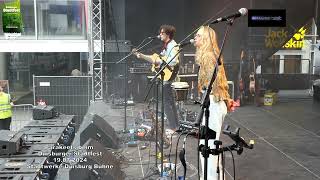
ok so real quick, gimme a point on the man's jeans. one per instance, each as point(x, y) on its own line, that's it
point(170, 108)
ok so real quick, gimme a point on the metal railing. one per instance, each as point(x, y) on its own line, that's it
point(21, 116)
point(70, 95)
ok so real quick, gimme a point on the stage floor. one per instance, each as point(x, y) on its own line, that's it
point(286, 135)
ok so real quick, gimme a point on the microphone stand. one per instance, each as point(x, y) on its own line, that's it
point(125, 90)
point(205, 103)
point(239, 144)
point(132, 52)
point(126, 82)
point(157, 112)
point(164, 64)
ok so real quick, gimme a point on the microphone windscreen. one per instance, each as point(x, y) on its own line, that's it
point(243, 11)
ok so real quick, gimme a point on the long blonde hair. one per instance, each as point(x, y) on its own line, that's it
point(209, 44)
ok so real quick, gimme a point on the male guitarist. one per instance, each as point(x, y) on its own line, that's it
point(169, 52)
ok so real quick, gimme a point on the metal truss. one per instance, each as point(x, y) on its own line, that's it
point(95, 47)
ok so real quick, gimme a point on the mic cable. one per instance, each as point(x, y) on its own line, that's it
point(171, 145)
point(176, 156)
point(182, 154)
point(233, 163)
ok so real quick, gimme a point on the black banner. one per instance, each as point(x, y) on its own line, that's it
point(267, 18)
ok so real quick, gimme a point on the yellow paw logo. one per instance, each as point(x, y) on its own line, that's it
point(300, 34)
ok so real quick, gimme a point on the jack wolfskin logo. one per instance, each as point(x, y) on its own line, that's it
point(297, 40)
point(275, 39)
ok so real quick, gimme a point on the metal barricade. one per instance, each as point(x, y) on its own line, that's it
point(21, 116)
point(70, 95)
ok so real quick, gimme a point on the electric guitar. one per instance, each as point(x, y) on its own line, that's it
point(170, 73)
point(252, 84)
point(241, 84)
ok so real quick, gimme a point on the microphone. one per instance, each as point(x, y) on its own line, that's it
point(241, 12)
point(128, 43)
point(191, 41)
point(154, 37)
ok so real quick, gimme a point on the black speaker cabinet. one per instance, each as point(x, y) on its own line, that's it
point(93, 161)
point(44, 112)
point(11, 142)
point(97, 128)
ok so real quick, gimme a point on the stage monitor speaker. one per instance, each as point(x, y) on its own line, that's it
point(97, 128)
point(41, 112)
point(94, 162)
point(11, 142)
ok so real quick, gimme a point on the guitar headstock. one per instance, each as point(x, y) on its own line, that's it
point(242, 55)
point(135, 52)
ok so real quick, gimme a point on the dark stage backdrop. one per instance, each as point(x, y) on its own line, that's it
point(143, 18)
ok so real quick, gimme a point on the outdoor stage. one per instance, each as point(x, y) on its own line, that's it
point(286, 139)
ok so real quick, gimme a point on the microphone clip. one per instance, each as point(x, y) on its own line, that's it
point(240, 142)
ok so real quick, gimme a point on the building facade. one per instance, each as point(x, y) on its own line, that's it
point(52, 42)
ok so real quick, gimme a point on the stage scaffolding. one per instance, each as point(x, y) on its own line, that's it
point(95, 47)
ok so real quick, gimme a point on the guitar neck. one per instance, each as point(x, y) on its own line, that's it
point(150, 58)
point(145, 58)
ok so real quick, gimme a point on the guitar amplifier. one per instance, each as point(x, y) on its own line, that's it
point(139, 67)
point(11, 142)
point(44, 112)
point(140, 70)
